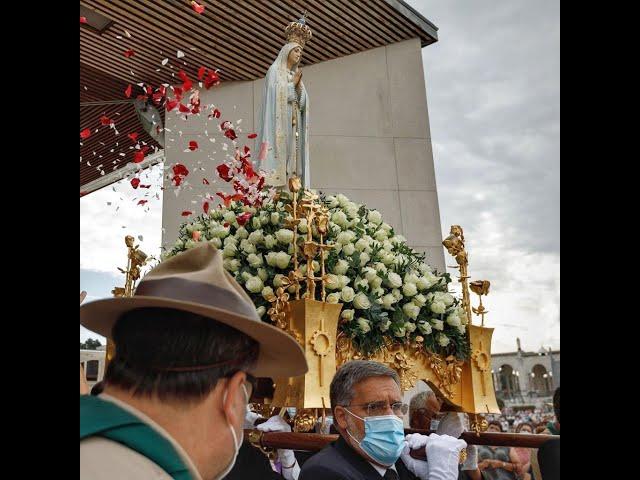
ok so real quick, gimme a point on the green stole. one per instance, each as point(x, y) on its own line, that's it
point(106, 419)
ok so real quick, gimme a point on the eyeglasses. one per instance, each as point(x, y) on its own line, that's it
point(375, 409)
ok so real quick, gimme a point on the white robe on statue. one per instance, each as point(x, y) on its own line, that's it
point(276, 141)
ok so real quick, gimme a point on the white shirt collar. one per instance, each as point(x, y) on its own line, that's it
point(382, 470)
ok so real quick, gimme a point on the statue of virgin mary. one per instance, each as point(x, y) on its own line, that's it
point(283, 133)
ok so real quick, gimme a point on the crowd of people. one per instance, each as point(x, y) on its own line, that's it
point(173, 401)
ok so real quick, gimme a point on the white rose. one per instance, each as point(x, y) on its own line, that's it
point(397, 295)
point(344, 238)
point(189, 244)
point(443, 340)
point(419, 300)
point(267, 292)
point(399, 331)
point(380, 235)
point(256, 223)
point(424, 327)
point(316, 266)
point(361, 245)
point(349, 249)
point(275, 218)
point(272, 259)
point(341, 267)
point(438, 307)
point(361, 283)
point(376, 282)
point(333, 282)
point(262, 274)
point(254, 285)
point(361, 302)
point(398, 239)
point(277, 280)
point(411, 310)
point(375, 217)
point(410, 327)
point(255, 260)
point(387, 301)
point(411, 277)
point(242, 233)
point(302, 226)
point(364, 258)
point(437, 324)
point(387, 246)
point(269, 241)
point(448, 299)
point(337, 247)
point(339, 218)
point(388, 259)
point(381, 267)
point(393, 280)
point(231, 264)
point(246, 276)
point(284, 236)
point(364, 325)
point(344, 281)
point(384, 326)
point(409, 289)
point(261, 311)
point(342, 200)
point(369, 273)
point(351, 210)
point(216, 242)
point(332, 201)
point(179, 244)
point(248, 247)
point(229, 217)
point(453, 320)
point(348, 294)
point(462, 329)
point(230, 241)
point(347, 315)
point(462, 315)
point(229, 251)
point(256, 237)
point(423, 283)
point(282, 260)
point(377, 292)
point(194, 226)
point(386, 227)
point(333, 297)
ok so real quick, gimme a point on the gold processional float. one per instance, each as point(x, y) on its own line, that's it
point(465, 386)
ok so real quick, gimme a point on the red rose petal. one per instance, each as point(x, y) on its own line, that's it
point(83, 19)
point(197, 7)
point(183, 108)
point(216, 113)
point(135, 182)
point(205, 181)
point(139, 155)
point(211, 79)
point(181, 170)
point(230, 134)
point(129, 53)
point(104, 120)
point(252, 135)
point(142, 202)
point(193, 145)
point(186, 213)
point(205, 207)
point(223, 172)
point(244, 218)
point(201, 72)
point(127, 92)
point(133, 136)
point(145, 186)
point(86, 133)
point(171, 104)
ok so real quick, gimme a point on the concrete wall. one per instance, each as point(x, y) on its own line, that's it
point(369, 134)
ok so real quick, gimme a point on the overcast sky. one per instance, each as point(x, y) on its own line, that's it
point(493, 89)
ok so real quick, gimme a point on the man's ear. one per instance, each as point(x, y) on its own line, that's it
point(340, 417)
point(234, 403)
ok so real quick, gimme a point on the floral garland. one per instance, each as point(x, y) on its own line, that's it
point(388, 290)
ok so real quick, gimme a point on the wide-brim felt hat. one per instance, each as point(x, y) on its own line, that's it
point(195, 281)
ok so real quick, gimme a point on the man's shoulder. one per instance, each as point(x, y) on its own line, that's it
point(101, 458)
point(326, 463)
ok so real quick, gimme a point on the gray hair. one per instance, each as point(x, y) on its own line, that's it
point(419, 400)
point(352, 373)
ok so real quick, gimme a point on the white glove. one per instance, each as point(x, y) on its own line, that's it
point(250, 420)
point(286, 457)
point(420, 468)
point(452, 424)
point(443, 456)
point(471, 463)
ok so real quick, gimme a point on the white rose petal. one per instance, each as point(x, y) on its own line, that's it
point(284, 236)
point(437, 324)
point(443, 340)
point(438, 307)
point(364, 325)
point(254, 285)
point(361, 302)
point(348, 294)
point(349, 249)
point(282, 260)
point(255, 260)
point(411, 310)
point(333, 297)
point(341, 267)
point(374, 217)
point(347, 314)
point(409, 289)
point(267, 292)
point(261, 311)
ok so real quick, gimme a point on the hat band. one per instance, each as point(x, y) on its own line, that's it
point(197, 292)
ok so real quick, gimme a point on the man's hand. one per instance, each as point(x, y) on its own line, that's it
point(297, 76)
point(419, 468)
point(443, 456)
point(287, 458)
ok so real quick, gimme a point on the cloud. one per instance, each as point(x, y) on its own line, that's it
point(493, 93)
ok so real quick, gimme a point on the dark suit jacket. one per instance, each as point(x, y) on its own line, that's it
point(338, 461)
point(549, 459)
point(252, 464)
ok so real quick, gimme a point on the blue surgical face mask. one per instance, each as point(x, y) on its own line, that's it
point(383, 438)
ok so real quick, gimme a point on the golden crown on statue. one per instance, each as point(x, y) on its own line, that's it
point(298, 31)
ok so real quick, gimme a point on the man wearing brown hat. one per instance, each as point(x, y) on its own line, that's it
point(188, 345)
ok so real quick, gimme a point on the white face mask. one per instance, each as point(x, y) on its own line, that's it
point(236, 444)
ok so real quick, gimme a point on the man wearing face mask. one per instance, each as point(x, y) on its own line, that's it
point(188, 345)
point(367, 407)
